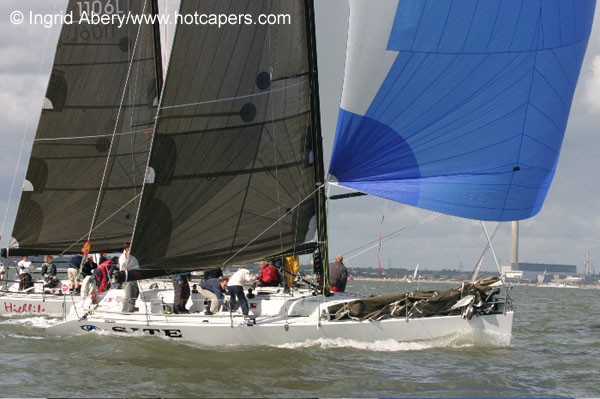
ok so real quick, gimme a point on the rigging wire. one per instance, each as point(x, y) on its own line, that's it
point(381, 238)
point(109, 217)
point(373, 244)
point(480, 261)
point(112, 141)
point(309, 196)
point(491, 248)
point(26, 128)
point(248, 96)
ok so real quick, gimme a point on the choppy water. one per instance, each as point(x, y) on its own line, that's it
point(555, 353)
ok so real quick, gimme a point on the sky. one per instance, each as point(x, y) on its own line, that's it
point(567, 228)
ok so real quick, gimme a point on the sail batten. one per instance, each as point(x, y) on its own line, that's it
point(459, 107)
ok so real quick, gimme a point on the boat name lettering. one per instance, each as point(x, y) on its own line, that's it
point(24, 308)
point(171, 333)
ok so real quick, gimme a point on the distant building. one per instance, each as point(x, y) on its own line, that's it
point(512, 274)
point(533, 271)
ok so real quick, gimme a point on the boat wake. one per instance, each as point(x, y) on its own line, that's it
point(455, 341)
point(389, 345)
point(37, 321)
point(23, 328)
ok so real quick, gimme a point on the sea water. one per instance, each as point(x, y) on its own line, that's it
point(555, 352)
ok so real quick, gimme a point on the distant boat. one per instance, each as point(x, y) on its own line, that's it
point(35, 301)
point(562, 284)
point(456, 107)
point(38, 299)
point(569, 282)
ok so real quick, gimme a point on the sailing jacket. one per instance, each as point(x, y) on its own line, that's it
point(102, 277)
point(241, 277)
point(268, 275)
point(338, 275)
point(213, 285)
point(48, 269)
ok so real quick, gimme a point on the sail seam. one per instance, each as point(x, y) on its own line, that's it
point(235, 98)
point(528, 106)
point(527, 51)
point(274, 223)
point(90, 137)
point(139, 60)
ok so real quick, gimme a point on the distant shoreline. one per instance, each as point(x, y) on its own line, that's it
point(401, 280)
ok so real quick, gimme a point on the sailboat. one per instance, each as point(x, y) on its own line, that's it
point(415, 275)
point(89, 154)
point(455, 107)
point(38, 299)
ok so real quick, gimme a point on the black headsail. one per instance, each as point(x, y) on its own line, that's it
point(234, 153)
point(91, 147)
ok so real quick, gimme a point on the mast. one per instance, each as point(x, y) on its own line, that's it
point(321, 204)
point(157, 49)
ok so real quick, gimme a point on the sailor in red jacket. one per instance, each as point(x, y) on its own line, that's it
point(104, 273)
point(268, 276)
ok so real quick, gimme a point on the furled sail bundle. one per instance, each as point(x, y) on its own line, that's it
point(459, 106)
point(233, 159)
point(91, 147)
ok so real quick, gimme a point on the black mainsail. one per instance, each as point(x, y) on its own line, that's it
point(90, 151)
point(234, 157)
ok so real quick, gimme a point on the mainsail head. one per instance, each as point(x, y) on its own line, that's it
point(459, 107)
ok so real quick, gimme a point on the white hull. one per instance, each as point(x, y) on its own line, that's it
point(16, 303)
point(13, 302)
point(35, 304)
point(284, 320)
point(222, 330)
